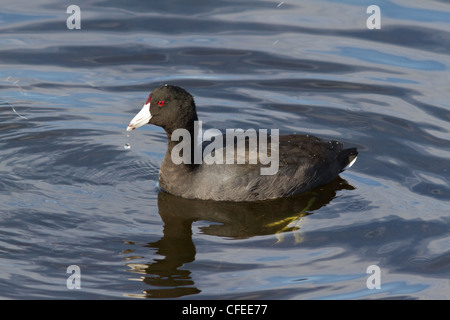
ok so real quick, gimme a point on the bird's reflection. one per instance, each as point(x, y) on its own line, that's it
point(169, 277)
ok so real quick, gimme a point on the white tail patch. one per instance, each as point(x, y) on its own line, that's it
point(351, 163)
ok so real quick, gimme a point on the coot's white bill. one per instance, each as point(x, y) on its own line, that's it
point(143, 117)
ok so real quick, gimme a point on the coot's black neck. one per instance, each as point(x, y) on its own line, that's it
point(191, 134)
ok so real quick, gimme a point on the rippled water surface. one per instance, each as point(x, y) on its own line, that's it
point(72, 193)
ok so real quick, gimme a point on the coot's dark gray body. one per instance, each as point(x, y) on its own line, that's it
point(305, 162)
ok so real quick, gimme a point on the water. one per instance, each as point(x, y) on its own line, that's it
point(75, 189)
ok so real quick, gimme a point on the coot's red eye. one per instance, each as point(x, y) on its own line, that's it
point(160, 103)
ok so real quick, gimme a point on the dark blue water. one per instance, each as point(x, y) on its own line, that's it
point(71, 194)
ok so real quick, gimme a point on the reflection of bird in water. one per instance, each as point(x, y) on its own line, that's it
point(227, 219)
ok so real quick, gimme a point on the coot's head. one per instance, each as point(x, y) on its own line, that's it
point(169, 107)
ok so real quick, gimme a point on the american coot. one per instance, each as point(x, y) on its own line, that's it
point(303, 162)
